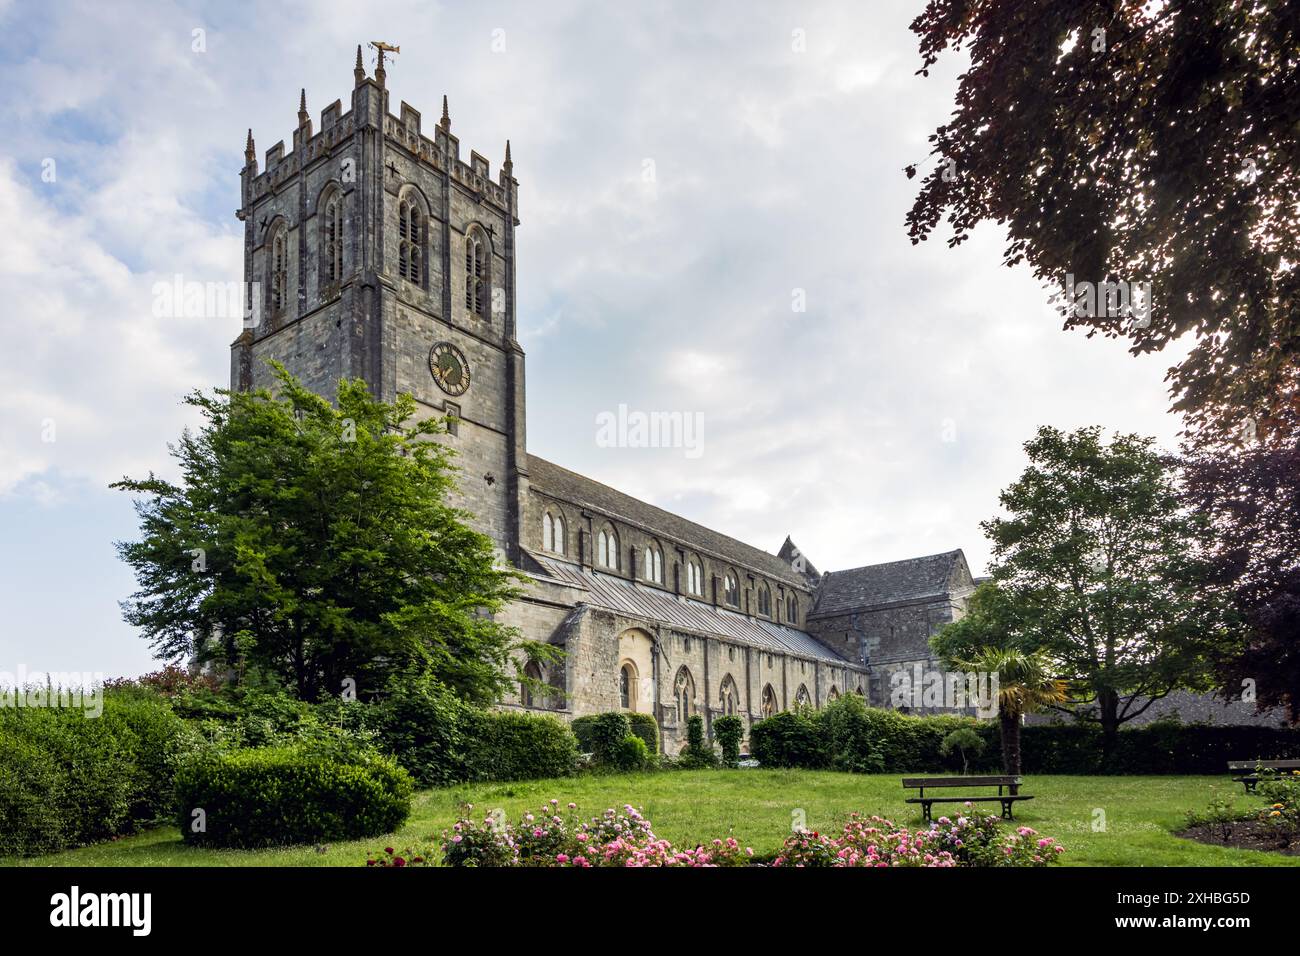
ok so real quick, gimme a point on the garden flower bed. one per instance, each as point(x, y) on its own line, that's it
point(552, 837)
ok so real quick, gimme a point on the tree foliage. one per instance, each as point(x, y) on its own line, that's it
point(1134, 141)
point(1106, 573)
point(313, 542)
point(1252, 498)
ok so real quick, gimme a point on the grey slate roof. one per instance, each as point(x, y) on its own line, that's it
point(551, 479)
point(637, 600)
point(893, 582)
point(790, 552)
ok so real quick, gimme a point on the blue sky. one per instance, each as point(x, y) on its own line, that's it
point(878, 424)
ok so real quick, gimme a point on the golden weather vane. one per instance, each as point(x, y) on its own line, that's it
point(383, 48)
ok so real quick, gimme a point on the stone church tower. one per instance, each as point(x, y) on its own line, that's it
point(372, 250)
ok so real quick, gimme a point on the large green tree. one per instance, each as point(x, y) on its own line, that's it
point(313, 542)
point(1139, 142)
point(1104, 571)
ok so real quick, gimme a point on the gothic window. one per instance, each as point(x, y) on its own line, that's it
point(731, 590)
point(769, 701)
point(607, 549)
point(548, 532)
point(654, 564)
point(764, 600)
point(730, 697)
point(694, 578)
point(453, 417)
point(833, 694)
point(279, 267)
point(684, 694)
point(557, 542)
point(476, 274)
point(332, 239)
point(410, 238)
point(527, 691)
point(801, 699)
point(791, 609)
point(627, 686)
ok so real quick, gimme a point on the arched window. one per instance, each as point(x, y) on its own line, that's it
point(834, 694)
point(765, 600)
point(684, 694)
point(802, 698)
point(557, 536)
point(627, 686)
point(730, 696)
point(279, 269)
point(331, 238)
point(410, 238)
point(694, 577)
point(791, 609)
point(476, 273)
point(607, 549)
point(527, 691)
point(731, 590)
point(654, 565)
point(769, 701)
point(548, 532)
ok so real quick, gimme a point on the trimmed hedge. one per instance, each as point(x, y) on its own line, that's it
point(645, 727)
point(514, 746)
point(31, 798)
point(277, 796)
point(1157, 748)
point(440, 739)
point(789, 739)
point(601, 735)
point(68, 778)
point(729, 731)
point(848, 735)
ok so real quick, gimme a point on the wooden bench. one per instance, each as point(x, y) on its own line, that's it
point(1249, 770)
point(1011, 786)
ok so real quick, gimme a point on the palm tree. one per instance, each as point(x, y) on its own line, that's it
point(1024, 686)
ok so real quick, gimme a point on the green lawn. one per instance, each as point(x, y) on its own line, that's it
point(757, 806)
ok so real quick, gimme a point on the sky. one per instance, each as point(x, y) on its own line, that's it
point(712, 202)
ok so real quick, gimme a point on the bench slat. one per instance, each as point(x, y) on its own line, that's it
point(1005, 799)
point(1003, 781)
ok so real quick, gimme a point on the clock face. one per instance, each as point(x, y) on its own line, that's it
point(449, 367)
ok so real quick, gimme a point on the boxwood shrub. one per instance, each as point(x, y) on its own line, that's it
point(282, 795)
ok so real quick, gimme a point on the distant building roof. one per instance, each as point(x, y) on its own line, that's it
point(652, 604)
point(794, 557)
point(894, 582)
point(551, 479)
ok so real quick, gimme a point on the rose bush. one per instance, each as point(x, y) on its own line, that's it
point(964, 840)
point(554, 837)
